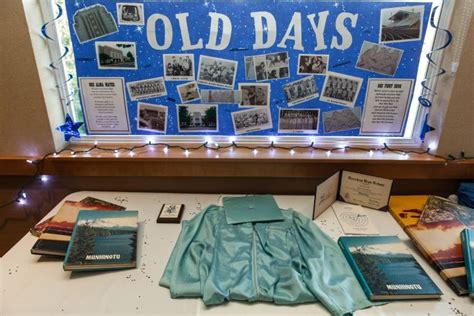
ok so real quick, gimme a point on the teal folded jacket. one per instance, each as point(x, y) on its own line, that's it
point(286, 261)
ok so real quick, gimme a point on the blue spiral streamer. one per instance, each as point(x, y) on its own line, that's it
point(53, 65)
point(424, 101)
point(43, 28)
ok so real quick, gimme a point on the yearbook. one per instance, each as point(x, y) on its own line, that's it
point(386, 269)
point(467, 241)
point(103, 240)
point(56, 232)
point(437, 237)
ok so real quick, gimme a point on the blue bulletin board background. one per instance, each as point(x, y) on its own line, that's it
point(150, 61)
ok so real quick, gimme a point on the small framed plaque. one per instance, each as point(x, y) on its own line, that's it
point(170, 213)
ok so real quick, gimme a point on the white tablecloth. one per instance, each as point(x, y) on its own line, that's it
point(33, 285)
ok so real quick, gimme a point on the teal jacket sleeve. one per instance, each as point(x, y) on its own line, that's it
point(327, 273)
point(189, 263)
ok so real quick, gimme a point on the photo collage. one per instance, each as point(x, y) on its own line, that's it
point(278, 93)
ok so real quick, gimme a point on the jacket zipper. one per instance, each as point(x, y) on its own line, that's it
point(254, 261)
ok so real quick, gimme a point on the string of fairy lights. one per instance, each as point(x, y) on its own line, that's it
point(135, 151)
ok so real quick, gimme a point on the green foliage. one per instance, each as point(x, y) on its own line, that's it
point(184, 116)
point(210, 118)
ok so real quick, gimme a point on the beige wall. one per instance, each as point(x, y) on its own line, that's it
point(24, 124)
point(25, 129)
point(458, 130)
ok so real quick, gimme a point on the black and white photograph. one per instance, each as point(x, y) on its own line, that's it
point(312, 64)
point(197, 118)
point(252, 120)
point(378, 58)
point(116, 55)
point(249, 68)
point(401, 24)
point(93, 22)
point(341, 89)
point(220, 96)
point(178, 67)
point(188, 92)
point(152, 117)
point(170, 213)
point(301, 121)
point(217, 71)
point(254, 94)
point(145, 89)
point(341, 120)
point(272, 66)
point(300, 91)
point(130, 14)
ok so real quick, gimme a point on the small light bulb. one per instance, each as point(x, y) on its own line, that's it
point(186, 153)
point(73, 153)
point(255, 152)
point(55, 154)
point(273, 139)
point(217, 156)
point(165, 150)
point(116, 155)
point(131, 153)
point(232, 139)
point(292, 152)
point(44, 178)
point(22, 201)
point(95, 143)
point(23, 194)
point(115, 151)
point(207, 139)
point(328, 153)
point(371, 153)
point(29, 161)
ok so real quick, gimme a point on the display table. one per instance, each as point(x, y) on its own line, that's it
point(34, 285)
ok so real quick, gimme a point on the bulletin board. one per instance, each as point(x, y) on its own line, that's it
point(247, 68)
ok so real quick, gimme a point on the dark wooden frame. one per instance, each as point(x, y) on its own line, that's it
point(176, 220)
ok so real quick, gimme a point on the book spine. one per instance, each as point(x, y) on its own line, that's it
point(466, 247)
point(71, 241)
point(355, 268)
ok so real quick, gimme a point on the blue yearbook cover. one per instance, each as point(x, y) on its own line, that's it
point(386, 269)
point(103, 240)
point(467, 242)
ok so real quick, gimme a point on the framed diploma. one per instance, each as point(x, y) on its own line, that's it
point(355, 188)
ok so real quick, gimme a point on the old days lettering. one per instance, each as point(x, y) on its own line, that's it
point(160, 31)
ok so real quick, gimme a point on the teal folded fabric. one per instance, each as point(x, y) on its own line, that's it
point(285, 262)
point(248, 209)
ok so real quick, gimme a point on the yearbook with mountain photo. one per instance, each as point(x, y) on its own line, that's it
point(55, 232)
point(103, 240)
point(386, 269)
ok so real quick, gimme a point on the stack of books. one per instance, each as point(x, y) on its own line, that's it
point(91, 234)
point(54, 233)
point(434, 224)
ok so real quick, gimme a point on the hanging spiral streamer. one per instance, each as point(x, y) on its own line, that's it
point(424, 101)
point(53, 65)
